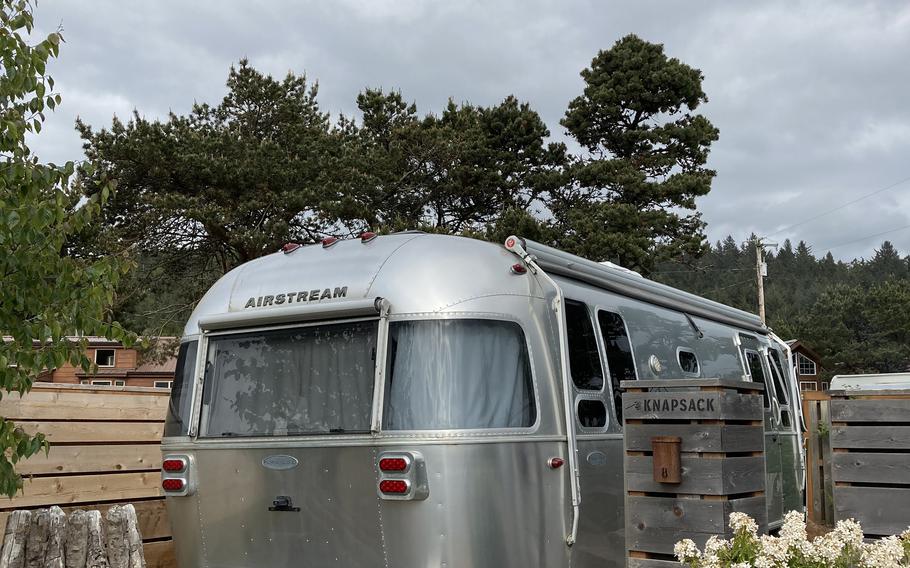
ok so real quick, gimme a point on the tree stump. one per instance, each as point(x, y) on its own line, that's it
point(76, 552)
point(14, 540)
point(124, 544)
point(97, 555)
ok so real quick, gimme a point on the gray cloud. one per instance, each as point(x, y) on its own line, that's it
point(810, 97)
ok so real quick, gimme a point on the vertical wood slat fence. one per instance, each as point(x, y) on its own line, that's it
point(104, 452)
point(870, 465)
point(819, 484)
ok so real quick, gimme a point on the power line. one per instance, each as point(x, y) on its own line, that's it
point(839, 207)
point(701, 270)
point(867, 237)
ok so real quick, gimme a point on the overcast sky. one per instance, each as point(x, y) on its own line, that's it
point(812, 99)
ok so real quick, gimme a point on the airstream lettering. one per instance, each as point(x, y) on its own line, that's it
point(453, 404)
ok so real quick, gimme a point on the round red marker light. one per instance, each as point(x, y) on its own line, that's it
point(173, 484)
point(556, 463)
point(519, 268)
point(393, 486)
point(510, 242)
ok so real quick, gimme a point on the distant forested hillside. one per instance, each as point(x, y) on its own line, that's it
point(855, 314)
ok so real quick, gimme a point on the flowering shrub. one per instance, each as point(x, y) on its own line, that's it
point(843, 547)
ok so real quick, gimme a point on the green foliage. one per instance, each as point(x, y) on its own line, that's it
point(45, 293)
point(631, 199)
point(856, 315)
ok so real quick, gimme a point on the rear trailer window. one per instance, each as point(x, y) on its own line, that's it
point(458, 374)
point(177, 422)
point(287, 382)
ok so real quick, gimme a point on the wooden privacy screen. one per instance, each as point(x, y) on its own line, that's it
point(104, 452)
point(870, 442)
point(721, 463)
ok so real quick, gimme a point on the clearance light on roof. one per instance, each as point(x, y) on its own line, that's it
point(288, 248)
point(328, 241)
point(367, 236)
point(519, 268)
point(394, 486)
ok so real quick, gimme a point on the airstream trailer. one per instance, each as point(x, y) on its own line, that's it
point(415, 400)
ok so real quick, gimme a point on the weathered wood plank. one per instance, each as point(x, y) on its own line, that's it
point(698, 437)
point(862, 467)
point(709, 516)
point(97, 555)
point(76, 550)
point(871, 437)
point(160, 554)
point(96, 432)
point(86, 489)
point(94, 459)
point(69, 405)
point(714, 405)
point(651, 563)
point(870, 410)
point(700, 476)
point(880, 510)
point(122, 539)
point(152, 516)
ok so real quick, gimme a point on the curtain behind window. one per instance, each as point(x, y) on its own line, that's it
point(308, 380)
point(458, 374)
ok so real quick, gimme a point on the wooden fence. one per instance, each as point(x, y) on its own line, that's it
point(104, 452)
point(870, 441)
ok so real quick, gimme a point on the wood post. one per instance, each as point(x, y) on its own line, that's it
point(14, 540)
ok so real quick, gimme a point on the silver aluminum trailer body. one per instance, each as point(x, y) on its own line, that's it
point(400, 402)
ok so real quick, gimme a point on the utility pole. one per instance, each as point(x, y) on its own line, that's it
point(761, 270)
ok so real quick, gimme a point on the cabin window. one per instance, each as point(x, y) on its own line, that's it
point(178, 412)
point(688, 362)
point(287, 382)
point(120, 383)
point(807, 386)
point(806, 366)
point(753, 362)
point(592, 413)
point(104, 357)
point(162, 384)
point(584, 357)
point(458, 374)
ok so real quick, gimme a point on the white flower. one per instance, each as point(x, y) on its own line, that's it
point(685, 550)
point(742, 521)
point(885, 553)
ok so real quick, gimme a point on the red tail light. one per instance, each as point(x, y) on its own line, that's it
point(519, 268)
point(394, 486)
point(173, 484)
point(367, 236)
point(328, 241)
point(173, 465)
point(393, 464)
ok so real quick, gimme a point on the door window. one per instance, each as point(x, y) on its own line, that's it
point(592, 413)
point(620, 362)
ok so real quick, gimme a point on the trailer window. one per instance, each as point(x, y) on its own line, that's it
point(178, 412)
point(584, 358)
point(307, 380)
point(753, 362)
point(458, 374)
